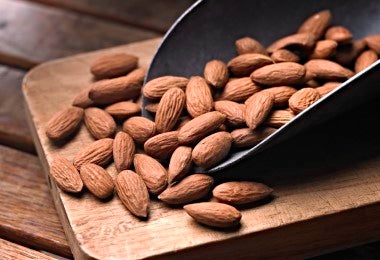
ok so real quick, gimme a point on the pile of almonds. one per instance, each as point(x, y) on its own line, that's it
point(197, 121)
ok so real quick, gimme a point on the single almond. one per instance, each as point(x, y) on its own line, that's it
point(212, 149)
point(98, 152)
point(347, 53)
point(97, 180)
point(169, 109)
point(278, 118)
point(324, 49)
point(214, 214)
point(239, 90)
point(157, 87)
point(258, 108)
point(99, 123)
point(234, 112)
point(200, 127)
point(123, 151)
point(245, 137)
point(82, 99)
point(326, 69)
point(152, 107)
point(191, 188)
point(244, 64)
point(140, 128)
point(133, 193)
point(317, 23)
point(198, 97)
point(339, 34)
point(137, 75)
point(64, 123)
point(180, 163)
point(284, 55)
point(113, 65)
point(365, 60)
point(373, 42)
point(65, 175)
point(299, 40)
point(281, 94)
point(241, 192)
point(216, 73)
point(249, 45)
point(161, 146)
point(152, 172)
point(123, 109)
point(302, 99)
point(284, 73)
point(327, 88)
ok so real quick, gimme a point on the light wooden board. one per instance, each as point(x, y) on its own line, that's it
point(314, 211)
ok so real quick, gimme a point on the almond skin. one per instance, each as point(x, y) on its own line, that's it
point(244, 64)
point(245, 137)
point(234, 112)
point(216, 73)
point(339, 34)
point(99, 123)
point(241, 192)
point(97, 180)
point(327, 88)
point(98, 152)
point(284, 73)
point(82, 99)
point(324, 49)
point(152, 172)
point(169, 109)
point(239, 90)
point(140, 128)
point(157, 87)
point(365, 60)
point(113, 65)
point(326, 69)
point(133, 193)
point(198, 97)
point(278, 118)
point(123, 109)
point(299, 40)
point(199, 127)
point(212, 149)
point(249, 45)
point(180, 163)
point(316, 24)
point(161, 146)
point(64, 123)
point(284, 55)
point(123, 151)
point(281, 94)
point(137, 75)
point(258, 108)
point(302, 99)
point(214, 214)
point(193, 187)
point(65, 175)
point(373, 42)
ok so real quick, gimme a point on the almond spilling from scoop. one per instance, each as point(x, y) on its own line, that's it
point(140, 128)
point(123, 109)
point(328, 70)
point(324, 49)
point(157, 87)
point(239, 90)
point(258, 108)
point(198, 97)
point(299, 40)
point(316, 24)
point(245, 137)
point(284, 55)
point(180, 164)
point(373, 42)
point(98, 152)
point(113, 65)
point(339, 34)
point(302, 99)
point(281, 94)
point(234, 112)
point(249, 45)
point(365, 60)
point(161, 146)
point(65, 175)
point(97, 180)
point(327, 88)
point(123, 151)
point(82, 99)
point(99, 123)
point(244, 64)
point(278, 118)
point(284, 73)
point(64, 123)
point(216, 73)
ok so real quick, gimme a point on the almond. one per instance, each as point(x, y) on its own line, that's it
point(193, 187)
point(169, 109)
point(324, 49)
point(137, 75)
point(281, 94)
point(234, 111)
point(64, 123)
point(245, 137)
point(152, 107)
point(373, 42)
point(326, 69)
point(82, 99)
point(98, 152)
point(365, 60)
point(278, 118)
point(327, 88)
point(239, 90)
point(347, 53)
point(302, 99)
point(283, 55)
point(180, 163)
point(244, 64)
point(311, 83)
point(249, 45)
point(214, 214)
point(152, 172)
point(161, 146)
point(299, 40)
point(241, 192)
point(258, 108)
point(200, 127)
point(133, 193)
point(65, 175)
point(284, 73)
point(198, 97)
point(123, 151)
point(216, 73)
point(123, 109)
point(140, 128)
point(97, 180)
point(212, 149)
point(113, 65)
point(99, 123)
point(157, 87)
point(339, 34)
point(317, 23)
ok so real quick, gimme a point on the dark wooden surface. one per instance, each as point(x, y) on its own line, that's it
point(34, 31)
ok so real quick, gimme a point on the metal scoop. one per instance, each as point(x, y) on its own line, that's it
point(209, 28)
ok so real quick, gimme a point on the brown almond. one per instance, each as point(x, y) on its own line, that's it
point(193, 187)
point(284, 55)
point(157, 87)
point(244, 64)
point(239, 90)
point(65, 175)
point(339, 34)
point(97, 180)
point(152, 107)
point(241, 192)
point(327, 88)
point(99, 123)
point(324, 49)
point(200, 127)
point(373, 42)
point(123, 109)
point(82, 99)
point(302, 99)
point(258, 108)
point(326, 69)
point(64, 123)
point(234, 112)
point(214, 214)
point(98, 152)
point(133, 193)
point(161, 146)
point(140, 128)
point(249, 45)
point(198, 97)
point(152, 172)
point(284, 73)
point(212, 149)
point(278, 118)
point(113, 65)
point(123, 151)
point(300, 40)
point(281, 94)
point(365, 60)
point(311, 84)
point(180, 163)
point(245, 137)
point(347, 53)
point(137, 75)
point(317, 23)
point(216, 73)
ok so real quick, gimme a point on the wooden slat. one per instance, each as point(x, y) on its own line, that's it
point(32, 33)
point(27, 213)
point(11, 251)
point(152, 15)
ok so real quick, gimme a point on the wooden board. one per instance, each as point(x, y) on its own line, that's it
point(10, 251)
point(324, 200)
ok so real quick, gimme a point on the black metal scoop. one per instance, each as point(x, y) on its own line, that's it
point(209, 28)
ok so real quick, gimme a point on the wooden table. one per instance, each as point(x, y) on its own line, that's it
point(38, 30)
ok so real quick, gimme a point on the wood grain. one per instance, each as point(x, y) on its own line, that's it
point(27, 213)
point(11, 251)
point(318, 195)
